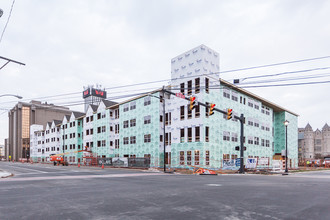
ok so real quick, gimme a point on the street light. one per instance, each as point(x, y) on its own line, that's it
point(17, 96)
point(286, 123)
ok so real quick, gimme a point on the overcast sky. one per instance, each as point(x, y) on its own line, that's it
point(68, 44)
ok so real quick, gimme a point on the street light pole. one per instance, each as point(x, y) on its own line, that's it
point(286, 123)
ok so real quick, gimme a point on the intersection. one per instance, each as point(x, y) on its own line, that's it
point(40, 191)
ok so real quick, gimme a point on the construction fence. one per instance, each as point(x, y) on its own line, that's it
point(137, 162)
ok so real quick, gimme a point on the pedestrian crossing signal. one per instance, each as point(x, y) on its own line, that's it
point(229, 113)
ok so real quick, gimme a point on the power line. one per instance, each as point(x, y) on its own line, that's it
point(11, 9)
point(285, 73)
point(158, 81)
point(275, 64)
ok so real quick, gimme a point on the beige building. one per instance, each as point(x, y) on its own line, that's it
point(313, 144)
point(21, 117)
point(2, 151)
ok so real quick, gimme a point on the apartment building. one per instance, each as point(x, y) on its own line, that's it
point(141, 126)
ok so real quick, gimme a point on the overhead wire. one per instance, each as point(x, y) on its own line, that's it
point(4, 29)
point(204, 74)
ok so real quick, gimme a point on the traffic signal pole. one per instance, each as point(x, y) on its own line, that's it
point(241, 119)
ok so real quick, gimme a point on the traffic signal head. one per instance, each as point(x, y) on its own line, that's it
point(211, 109)
point(192, 103)
point(229, 113)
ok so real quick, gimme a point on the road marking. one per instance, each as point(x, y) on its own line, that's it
point(213, 184)
point(80, 177)
point(38, 171)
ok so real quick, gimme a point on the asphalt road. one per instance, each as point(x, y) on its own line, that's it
point(38, 191)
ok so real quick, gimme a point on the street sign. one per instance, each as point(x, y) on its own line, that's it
point(238, 162)
point(180, 95)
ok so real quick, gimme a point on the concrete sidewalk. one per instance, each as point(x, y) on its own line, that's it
point(4, 174)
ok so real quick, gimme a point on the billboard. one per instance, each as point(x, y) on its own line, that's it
point(94, 92)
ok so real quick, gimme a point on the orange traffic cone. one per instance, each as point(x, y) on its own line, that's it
point(102, 166)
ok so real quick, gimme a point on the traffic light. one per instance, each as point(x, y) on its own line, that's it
point(229, 113)
point(192, 103)
point(211, 109)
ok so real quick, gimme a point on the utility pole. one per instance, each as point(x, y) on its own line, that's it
point(242, 120)
point(164, 131)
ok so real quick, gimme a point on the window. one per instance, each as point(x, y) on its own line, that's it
point(196, 157)
point(91, 131)
point(125, 140)
point(250, 103)
point(116, 113)
point(147, 100)
point(99, 116)
point(98, 144)
point(147, 119)
point(133, 122)
point(226, 157)
point(182, 135)
point(256, 141)
point(197, 135)
point(91, 118)
point(189, 134)
point(250, 140)
point(226, 136)
point(182, 112)
point(234, 137)
point(147, 138)
point(116, 143)
point(126, 108)
point(168, 118)
point(197, 85)
point(117, 129)
point(103, 129)
point(207, 134)
point(98, 129)
point(234, 96)
point(133, 139)
point(262, 142)
point(207, 109)
point(207, 84)
point(182, 88)
point(226, 93)
point(189, 112)
point(197, 111)
point(207, 157)
point(189, 87)
point(133, 105)
point(267, 143)
point(125, 125)
point(181, 157)
point(161, 118)
point(189, 157)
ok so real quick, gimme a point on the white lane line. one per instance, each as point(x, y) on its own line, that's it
point(38, 171)
point(81, 177)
